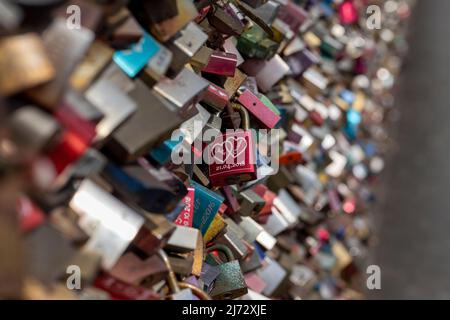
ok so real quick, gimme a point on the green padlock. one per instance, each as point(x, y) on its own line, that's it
point(230, 283)
point(254, 43)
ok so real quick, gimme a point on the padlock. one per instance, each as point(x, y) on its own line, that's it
point(348, 14)
point(254, 230)
point(180, 290)
point(132, 60)
point(273, 275)
point(215, 228)
point(256, 17)
point(82, 106)
point(120, 290)
point(267, 195)
point(157, 67)
point(163, 20)
point(250, 203)
point(231, 200)
point(136, 271)
point(314, 81)
point(195, 127)
point(303, 279)
point(280, 180)
point(288, 207)
point(186, 216)
point(66, 48)
point(33, 129)
point(331, 47)
point(72, 144)
point(153, 235)
point(183, 239)
point(251, 263)
point(26, 58)
point(201, 175)
point(111, 224)
point(145, 188)
point(125, 30)
point(225, 22)
point(221, 63)
point(300, 61)
point(216, 97)
point(201, 58)
point(254, 43)
point(46, 246)
point(181, 265)
point(276, 223)
point(207, 204)
point(293, 15)
point(184, 91)
point(272, 72)
point(232, 155)
point(231, 240)
point(231, 85)
point(230, 46)
point(136, 136)
point(258, 109)
point(230, 283)
point(66, 221)
point(113, 103)
point(184, 45)
point(254, 282)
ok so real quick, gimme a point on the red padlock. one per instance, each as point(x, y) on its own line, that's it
point(187, 214)
point(232, 155)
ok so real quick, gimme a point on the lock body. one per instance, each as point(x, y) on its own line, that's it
point(230, 283)
point(232, 158)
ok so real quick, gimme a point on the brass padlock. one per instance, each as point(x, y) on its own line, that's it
point(176, 287)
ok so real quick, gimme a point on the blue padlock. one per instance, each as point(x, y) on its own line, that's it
point(206, 206)
point(134, 59)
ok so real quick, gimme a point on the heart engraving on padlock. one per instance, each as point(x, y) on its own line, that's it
point(241, 145)
point(228, 146)
point(237, 147)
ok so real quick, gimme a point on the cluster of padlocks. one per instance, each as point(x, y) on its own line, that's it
point(192, 149)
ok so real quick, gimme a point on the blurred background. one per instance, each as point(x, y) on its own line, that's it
point(78, 139)
point(412, 218)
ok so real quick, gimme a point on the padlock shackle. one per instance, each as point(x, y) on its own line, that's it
point(196, 291)
point(245, 118)
point(222, 248)
point(172, 281)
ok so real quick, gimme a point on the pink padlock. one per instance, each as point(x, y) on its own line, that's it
point(232, 155)
point(258, 109)
point(221, 63)
point(348, 13)
point(216, 97)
